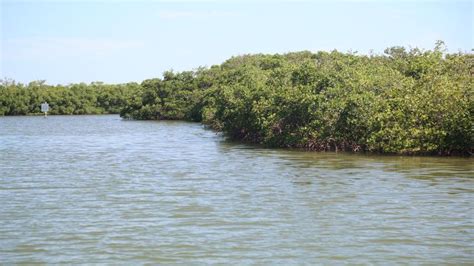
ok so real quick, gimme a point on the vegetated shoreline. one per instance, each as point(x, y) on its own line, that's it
point(406, 102)
point(240, 141)
point(42, 114)
point(346, 151)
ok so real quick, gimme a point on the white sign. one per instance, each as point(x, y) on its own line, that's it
point(44, 107)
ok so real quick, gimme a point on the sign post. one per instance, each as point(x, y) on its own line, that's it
point(45, 108)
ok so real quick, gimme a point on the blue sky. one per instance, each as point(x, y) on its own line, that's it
point(119, 41)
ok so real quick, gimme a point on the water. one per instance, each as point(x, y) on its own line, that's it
point(98, 189)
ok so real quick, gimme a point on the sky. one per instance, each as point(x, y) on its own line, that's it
point(118, 41)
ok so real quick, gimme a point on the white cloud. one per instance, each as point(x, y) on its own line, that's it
point(170, 14)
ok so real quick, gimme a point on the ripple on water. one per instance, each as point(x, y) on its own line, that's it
point(97, 189)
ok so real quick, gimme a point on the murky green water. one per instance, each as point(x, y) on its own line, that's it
point(97, 189)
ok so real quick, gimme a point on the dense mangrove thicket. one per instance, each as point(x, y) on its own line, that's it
point(404, 101)
point(77, 99)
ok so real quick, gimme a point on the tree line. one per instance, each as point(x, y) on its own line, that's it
point(405, 101)
point(73, 99)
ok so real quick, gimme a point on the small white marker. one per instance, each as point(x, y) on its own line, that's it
point(45, 108)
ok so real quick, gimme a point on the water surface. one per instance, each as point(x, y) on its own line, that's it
point(98, 189)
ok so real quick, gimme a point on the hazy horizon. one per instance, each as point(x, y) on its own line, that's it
point(66, 42)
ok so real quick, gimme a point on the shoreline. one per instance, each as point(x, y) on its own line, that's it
point(260, 145)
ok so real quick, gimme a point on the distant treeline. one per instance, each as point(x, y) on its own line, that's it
point(74, 99)
point(405, 101)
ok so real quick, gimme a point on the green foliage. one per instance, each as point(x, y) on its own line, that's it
point(178, 96)
point(95, 98)
point(405, 101)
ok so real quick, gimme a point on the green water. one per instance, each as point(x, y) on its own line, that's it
point(98, 189)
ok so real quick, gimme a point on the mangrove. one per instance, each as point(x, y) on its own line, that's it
point(405, 101)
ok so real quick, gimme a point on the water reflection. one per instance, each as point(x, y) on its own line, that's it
point(422, 167)
point(97, 189)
